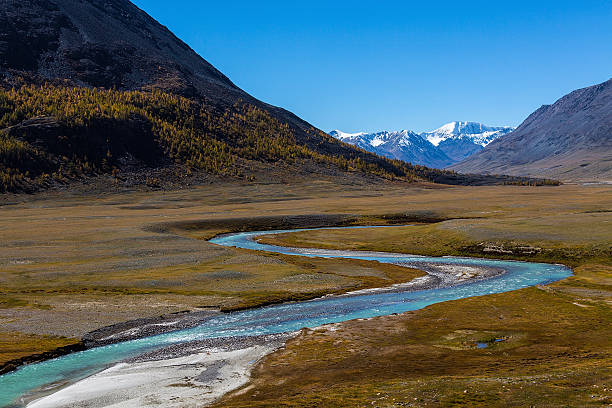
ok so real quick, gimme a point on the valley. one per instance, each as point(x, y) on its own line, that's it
point(169, 240)
point(124, 256)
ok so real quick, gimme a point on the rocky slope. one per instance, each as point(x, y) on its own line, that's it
point(570, 140)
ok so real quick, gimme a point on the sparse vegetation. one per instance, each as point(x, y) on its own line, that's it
point(555, 354)
point(15, 345)
point(442, 239)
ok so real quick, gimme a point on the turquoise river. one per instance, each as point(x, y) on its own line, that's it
point(284, 317)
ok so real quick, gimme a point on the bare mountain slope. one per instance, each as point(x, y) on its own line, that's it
point(570, 140)
point(110, 44)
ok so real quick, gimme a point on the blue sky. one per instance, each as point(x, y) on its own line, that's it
point(370, 66)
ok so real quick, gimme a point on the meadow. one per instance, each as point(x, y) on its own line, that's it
point(70, 264)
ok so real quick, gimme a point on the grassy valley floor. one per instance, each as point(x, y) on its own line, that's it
point(547, 346)
point(556, 353)
point(72, 264)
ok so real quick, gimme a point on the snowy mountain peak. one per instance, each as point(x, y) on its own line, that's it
point(439, 148)
point(404, 145)
point(449, 128)
point(338, 134)
point(480, 134)
point(363, 139)
point(457, 128)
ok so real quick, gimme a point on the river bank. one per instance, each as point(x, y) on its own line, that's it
point(143, 327)
point(191, 374)
point(193, 360)
point(72, 264)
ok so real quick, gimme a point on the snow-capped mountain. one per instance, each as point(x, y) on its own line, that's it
point(439, 148)
point(404, 145)
point(459, 140)
point(477, 132)
point(338, 134)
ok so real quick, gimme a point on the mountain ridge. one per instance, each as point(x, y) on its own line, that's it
point(480, 133)
point(403, 145)
point(438, 148)
point(569, 139)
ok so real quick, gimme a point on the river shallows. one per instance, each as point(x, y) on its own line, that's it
point(285, 317)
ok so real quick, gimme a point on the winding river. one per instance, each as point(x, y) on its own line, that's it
point(288, 316)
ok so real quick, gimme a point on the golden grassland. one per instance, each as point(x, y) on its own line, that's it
point(71, 264)
point(556, 349)
point(571, 239)
point(15, 345)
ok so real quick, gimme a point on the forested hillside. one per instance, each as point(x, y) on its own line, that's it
point(92, 88)
point(55, 134)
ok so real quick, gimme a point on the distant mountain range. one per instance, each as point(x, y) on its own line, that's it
point(439, 148)
point(569, 140)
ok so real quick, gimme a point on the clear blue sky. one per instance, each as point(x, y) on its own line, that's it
point(392, 65)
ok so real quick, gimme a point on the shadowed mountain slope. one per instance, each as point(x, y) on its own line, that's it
point(95, 87)
point(570, 140)
point(109, 44)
